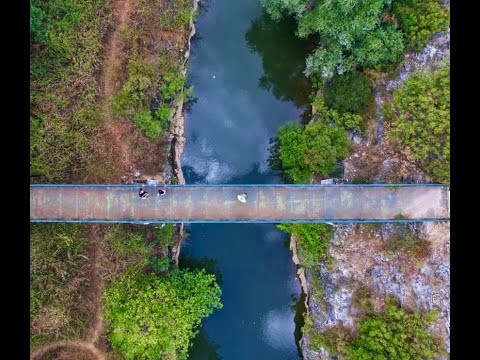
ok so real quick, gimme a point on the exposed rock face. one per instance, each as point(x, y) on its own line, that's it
point(360, 261)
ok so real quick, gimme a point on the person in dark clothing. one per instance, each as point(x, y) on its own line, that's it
point(142, 193)
point(162, 191)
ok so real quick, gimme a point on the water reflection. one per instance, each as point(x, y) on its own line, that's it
point(283, 58)
point(205, 348)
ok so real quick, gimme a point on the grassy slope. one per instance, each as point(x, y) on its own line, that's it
point(69, 143)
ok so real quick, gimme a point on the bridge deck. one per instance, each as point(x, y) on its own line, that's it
point(218, 203)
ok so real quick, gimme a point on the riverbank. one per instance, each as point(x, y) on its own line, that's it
point(84, 129)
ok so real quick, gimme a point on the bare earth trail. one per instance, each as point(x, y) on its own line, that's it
point(115, 127)
point(109, 82)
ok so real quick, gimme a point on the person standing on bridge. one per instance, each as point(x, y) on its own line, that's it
point(242, 197)
point(142, 193)
point(162, 191)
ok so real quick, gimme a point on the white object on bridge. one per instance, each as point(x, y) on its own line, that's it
point(242, 197)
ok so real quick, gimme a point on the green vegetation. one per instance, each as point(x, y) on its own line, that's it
point(312, 241)
point(134, 100)
point(58, 254)
point(156, 317)
point(396, 334)
point(420, 119)
point(132, 244)
point(407, 241)
point(155, 85)
point(164, 235)
point(419, 19)
point(64, 49)
point(348, 92)
point(361, 300)
point(299, 151)
point(353, 34)
point(160, 264)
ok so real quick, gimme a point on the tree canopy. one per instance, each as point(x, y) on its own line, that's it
point(354, 33)
point(396, 334)
point(299, 151)
point(420, 114)
point(156, 317)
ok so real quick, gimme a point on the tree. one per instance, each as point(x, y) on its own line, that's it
point(354, 34)
point(420, 119)
point(419, 19)
point(312, 241)
point(156, 317)
point(396, 334)
point(317, 147)
point(276, 8)
point(349, 92)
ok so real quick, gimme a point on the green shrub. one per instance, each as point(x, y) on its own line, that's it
point(407, 241)
point(312, 241)
point(419, 19)
point(159, 264)
point(336, 340)
point(315, 339)
point(396, 334)
point(420, 117)
point(154, 317)
point(361, 300)
point(145, 122)
point(348, 92)
point(299, 152)
point(164, 235)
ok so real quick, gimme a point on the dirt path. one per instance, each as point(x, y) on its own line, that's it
point(109, 83)
point(115, 127)
point(75, 344)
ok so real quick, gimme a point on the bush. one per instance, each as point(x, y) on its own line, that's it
point(347, 120)
point(145, 122)
point(299, 152)
point(348, 92)
point(164, 235)
point(419, 19)
point(159, 264)
point(156, 317)
point(396, 334)
point(407, 241)
point(420, 119)
point(312, 241)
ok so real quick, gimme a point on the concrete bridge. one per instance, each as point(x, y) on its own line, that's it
point(265, 203)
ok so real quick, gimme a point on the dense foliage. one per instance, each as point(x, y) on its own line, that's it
point(420, 114)
point(299, 151)
point(133, 99)
point(353, 33)
point(419, 19)
point(156, 317)
point(396, 334)
point(312, 241)
point(348, 92)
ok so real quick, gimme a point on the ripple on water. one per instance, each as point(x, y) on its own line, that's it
point(278, 329)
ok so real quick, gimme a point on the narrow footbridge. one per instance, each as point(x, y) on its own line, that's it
point(219, 203)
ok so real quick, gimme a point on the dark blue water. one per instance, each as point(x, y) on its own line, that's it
point(247, 76)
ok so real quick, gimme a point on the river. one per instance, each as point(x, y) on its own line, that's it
point(247, 76)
